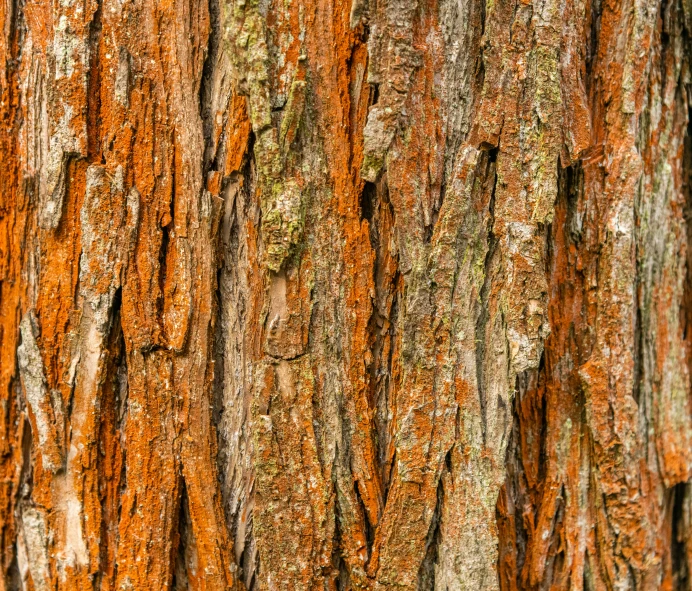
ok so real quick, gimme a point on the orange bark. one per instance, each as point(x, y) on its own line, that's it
point(316, 294)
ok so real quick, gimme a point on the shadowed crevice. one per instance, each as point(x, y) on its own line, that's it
point(483, 315)
point(111, 464)
point(184, 554)
point(206, 88)
point(94, 152)
point(426, 573)
point(680, 536)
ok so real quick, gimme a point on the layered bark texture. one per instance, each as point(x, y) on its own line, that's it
point(345, 295)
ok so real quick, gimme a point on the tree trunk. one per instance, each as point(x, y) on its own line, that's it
point(312, 295)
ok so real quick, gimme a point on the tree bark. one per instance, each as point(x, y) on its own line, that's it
point(370, 295)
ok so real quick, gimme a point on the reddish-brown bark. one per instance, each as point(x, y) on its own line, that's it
point(316, 294)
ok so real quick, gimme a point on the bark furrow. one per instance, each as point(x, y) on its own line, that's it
point(315, 294)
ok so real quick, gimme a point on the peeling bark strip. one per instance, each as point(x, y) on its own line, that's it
point(371, 295)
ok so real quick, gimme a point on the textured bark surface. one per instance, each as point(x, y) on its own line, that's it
point(346, 295)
